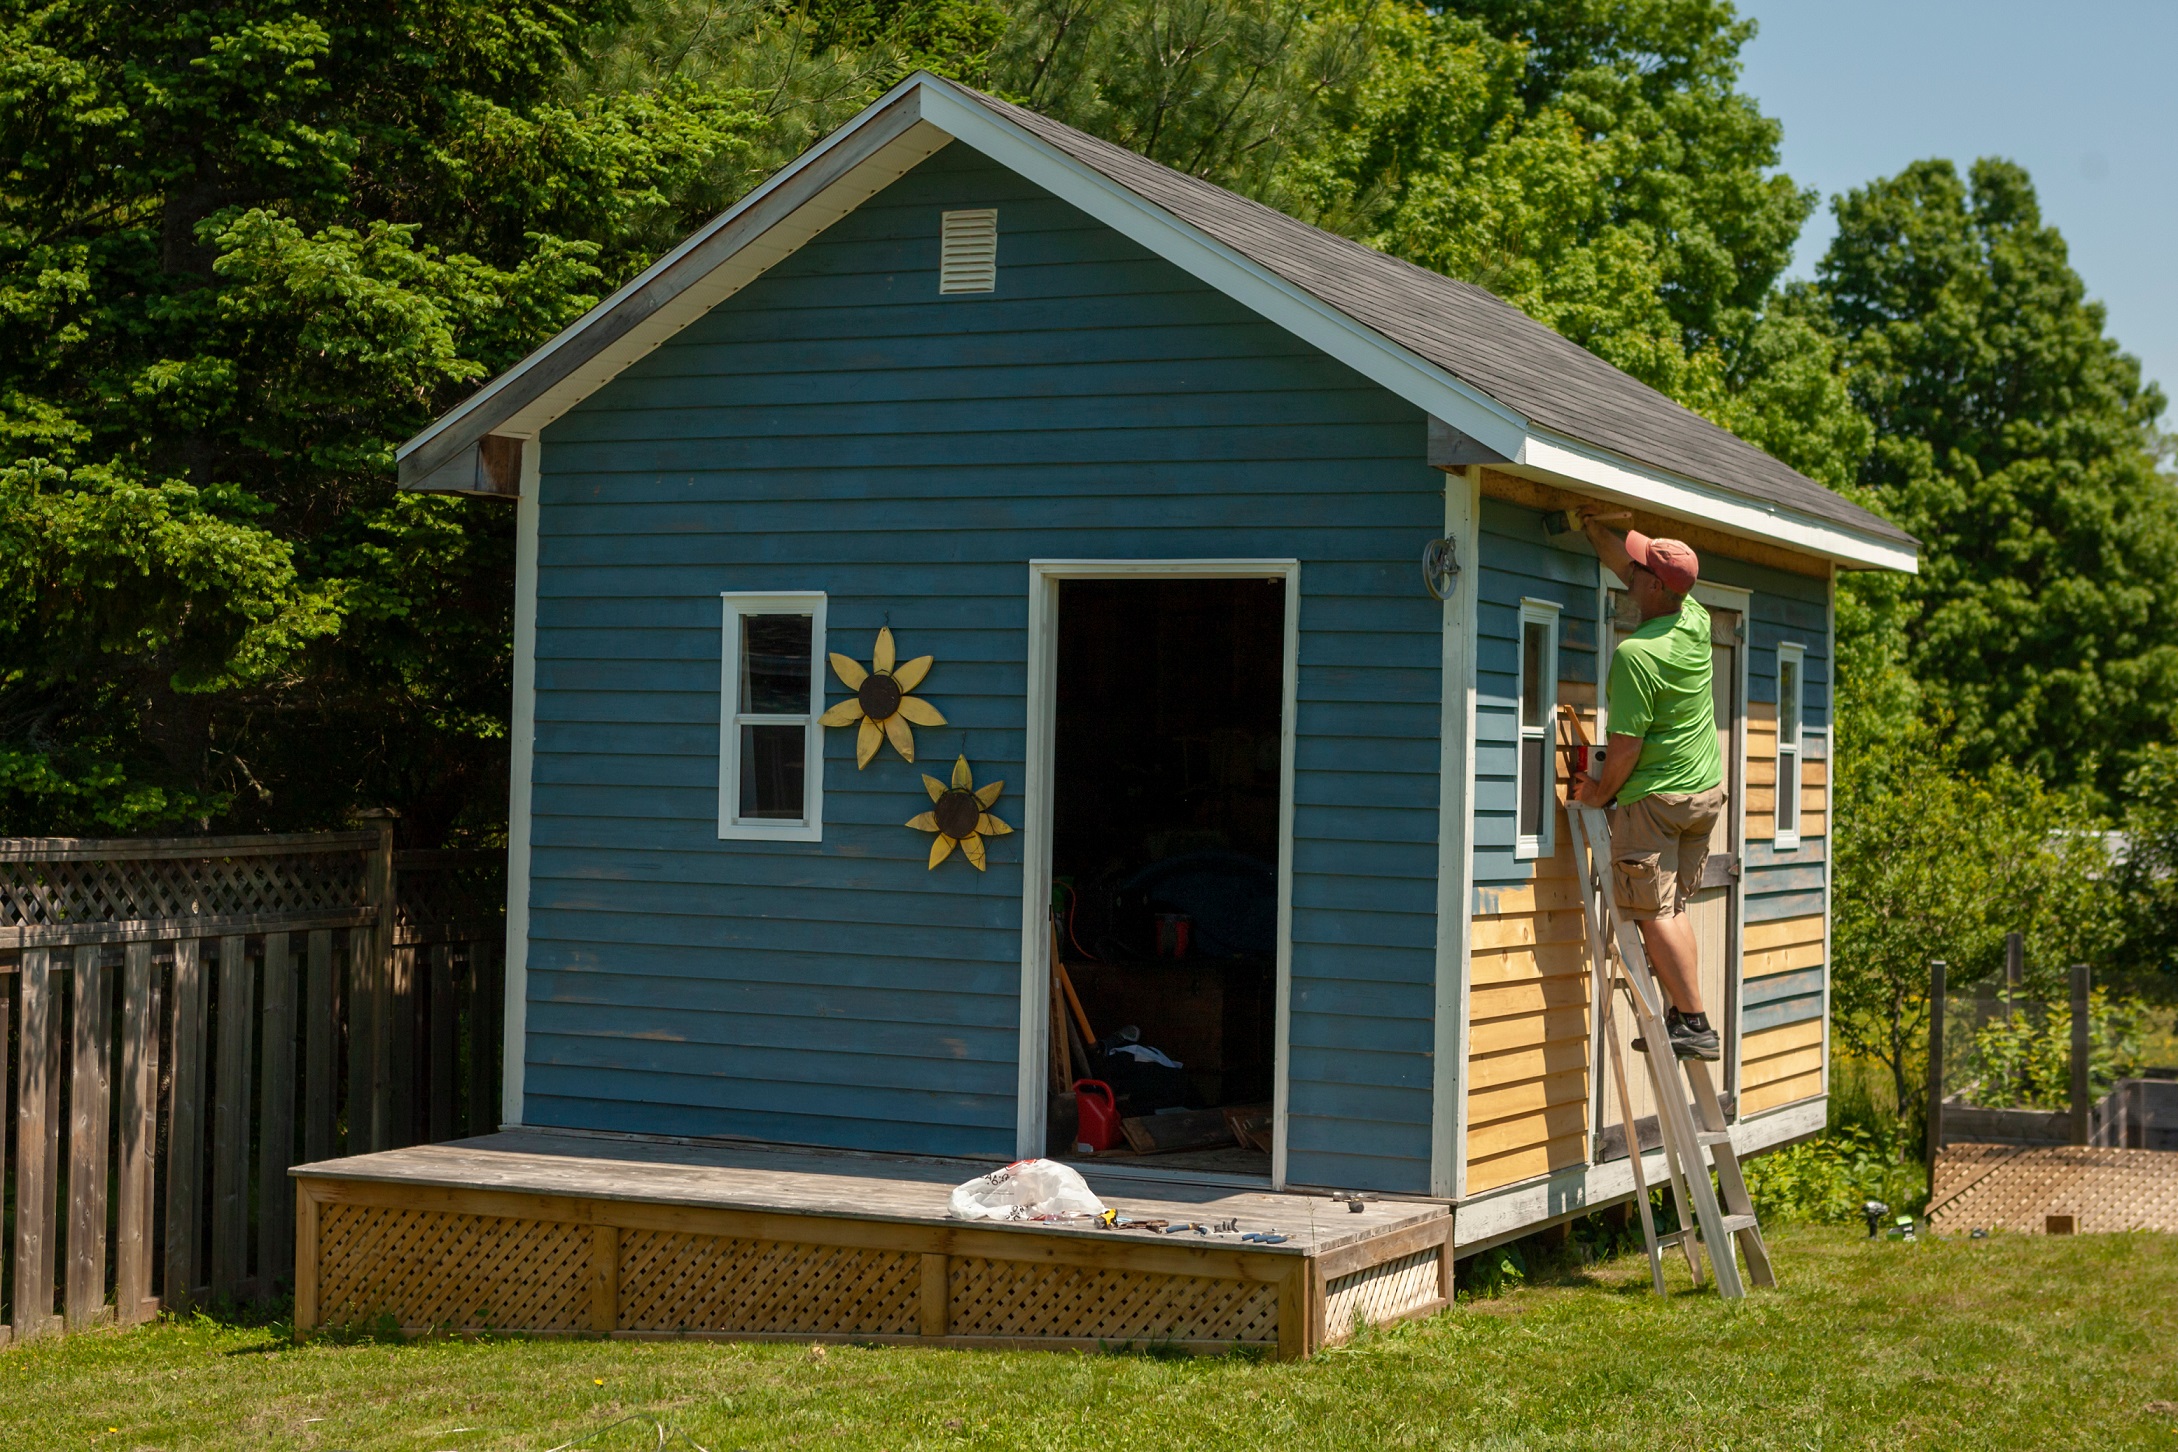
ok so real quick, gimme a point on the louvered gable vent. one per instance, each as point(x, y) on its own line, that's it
point(968, 259)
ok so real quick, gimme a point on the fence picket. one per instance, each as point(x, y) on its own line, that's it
point(441, 1084)
point(139, 1135)
point(231, 1119)
point(37, 1142)
point(276, 1117)
point(185, 1132)
point(321, 1065)
point(185, 1106)
point(88, 1099)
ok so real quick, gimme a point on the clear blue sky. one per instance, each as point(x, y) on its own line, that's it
point(2083, 95)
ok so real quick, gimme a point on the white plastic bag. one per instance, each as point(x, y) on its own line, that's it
point(1026, 1190)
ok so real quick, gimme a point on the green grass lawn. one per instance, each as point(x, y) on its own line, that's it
point(2011, 1342)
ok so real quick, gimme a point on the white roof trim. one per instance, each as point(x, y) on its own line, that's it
point(921, 115)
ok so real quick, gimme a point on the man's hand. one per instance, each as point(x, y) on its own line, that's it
point(1609, 546)
point(1590, 793)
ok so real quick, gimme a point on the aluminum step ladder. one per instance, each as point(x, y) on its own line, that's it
point(1620, 966)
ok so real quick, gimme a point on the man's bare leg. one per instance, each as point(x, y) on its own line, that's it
point(1675, 957)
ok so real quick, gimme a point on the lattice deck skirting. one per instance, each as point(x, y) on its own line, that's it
point(2016, 1187)
point(438, 1257)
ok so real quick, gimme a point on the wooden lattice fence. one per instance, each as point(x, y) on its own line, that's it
point(186, 1018)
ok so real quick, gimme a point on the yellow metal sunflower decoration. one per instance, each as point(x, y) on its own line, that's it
point(881, 701)
point(962, 817)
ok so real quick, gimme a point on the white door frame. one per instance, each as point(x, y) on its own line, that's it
point(1043, 681)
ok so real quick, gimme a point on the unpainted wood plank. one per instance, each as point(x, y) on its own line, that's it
point(1532, 1096)
point(1780, 1040)
point(276, 1116)
point(440, 1084)
point(1527, 1031)
point(306, 1258)
point(361, 1049)
point(134, 1220)
point(934, 1294)
point(1391, 1245)
point(1770, 1068)
point(234, 1028)
point(1490, 1071)
point(185, 1131)
point(1550, 894)
point(1707, 542)
point(1784, 933)
point(1533, 996)
point(1780, 1091)
point(37, 1141)
point(1521, 965)
point(1524, 1130)
point(89, 1104)
point(1518, 930)
point(1526, 1163)
point(321, 1049)
point(144, 849)
point(1782, 960)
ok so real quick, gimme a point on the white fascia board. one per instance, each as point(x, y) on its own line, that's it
point(1516, 1210)
point(800, 218)
point(1627, 482)
point(1248, 283)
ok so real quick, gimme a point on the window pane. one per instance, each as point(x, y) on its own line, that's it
point(775, 668)
point(771, 773)
point(1534, 783)
point(1788, 791)
point(1533, 661)
point(1788, 701)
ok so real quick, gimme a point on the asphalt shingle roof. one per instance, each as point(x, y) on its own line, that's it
point(1475, 336)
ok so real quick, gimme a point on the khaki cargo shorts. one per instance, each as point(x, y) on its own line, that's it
point(1659, 846)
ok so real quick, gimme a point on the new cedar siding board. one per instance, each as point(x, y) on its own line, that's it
point(840, 426)
point(1526, 1080)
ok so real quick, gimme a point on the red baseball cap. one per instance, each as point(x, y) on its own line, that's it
point(1672, 561)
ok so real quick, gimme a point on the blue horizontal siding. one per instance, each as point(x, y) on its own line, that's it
point(1517, 563)
point(1777, 986)
point(1781, 1011)
point(838, 426)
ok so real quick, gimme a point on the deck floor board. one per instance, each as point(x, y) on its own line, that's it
point(895, 1188)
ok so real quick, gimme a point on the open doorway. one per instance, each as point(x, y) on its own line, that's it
point(1166, 781)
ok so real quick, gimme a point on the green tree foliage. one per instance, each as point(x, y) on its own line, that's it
point(2018, 443)
point(244, 249)
point(1935, 862)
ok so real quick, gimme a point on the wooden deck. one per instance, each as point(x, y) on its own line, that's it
point(566, 1234)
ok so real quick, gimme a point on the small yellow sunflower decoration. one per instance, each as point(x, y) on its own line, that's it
point(962, 817)
point(881, 701)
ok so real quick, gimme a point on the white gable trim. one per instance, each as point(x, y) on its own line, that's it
point(913, 121)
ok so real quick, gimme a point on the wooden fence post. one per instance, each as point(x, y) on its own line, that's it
point(377, 976)
point(361, 1035)
point(400, 1049)
point(133, 1222)
point(185, 1131)
point(1937, 970)
point(276, 1115)
point(2079, 1053)
point(89, 1087)
point(37, 1141)
point(321, 1050)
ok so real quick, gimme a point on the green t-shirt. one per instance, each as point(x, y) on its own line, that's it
point(1661, 692)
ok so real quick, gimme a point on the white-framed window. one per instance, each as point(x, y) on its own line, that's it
point(1538, 695)
point(1791, 707)
point(771, 691)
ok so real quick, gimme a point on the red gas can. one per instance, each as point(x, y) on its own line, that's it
point(1099, 1117)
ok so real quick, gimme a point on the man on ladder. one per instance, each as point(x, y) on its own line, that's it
point(1662, 764)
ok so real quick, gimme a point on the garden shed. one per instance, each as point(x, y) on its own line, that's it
point(984, 552)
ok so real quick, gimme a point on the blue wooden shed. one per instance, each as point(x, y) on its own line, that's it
point(1149, 472)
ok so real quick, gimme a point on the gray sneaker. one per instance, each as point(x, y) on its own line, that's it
point(1687, 1042)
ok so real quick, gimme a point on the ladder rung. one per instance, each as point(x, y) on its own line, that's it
point(1712, 1136)
point(1733, 1224)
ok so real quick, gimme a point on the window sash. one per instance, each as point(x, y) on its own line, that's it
point(757, 758)
point(1535, 775)
point(1791, 715)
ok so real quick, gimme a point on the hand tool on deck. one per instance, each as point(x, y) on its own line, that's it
point(1621, 966)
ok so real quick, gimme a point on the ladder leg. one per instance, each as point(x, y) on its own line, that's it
point(1633, 1153)
point(1675, 1159)
point(1731, 1182)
